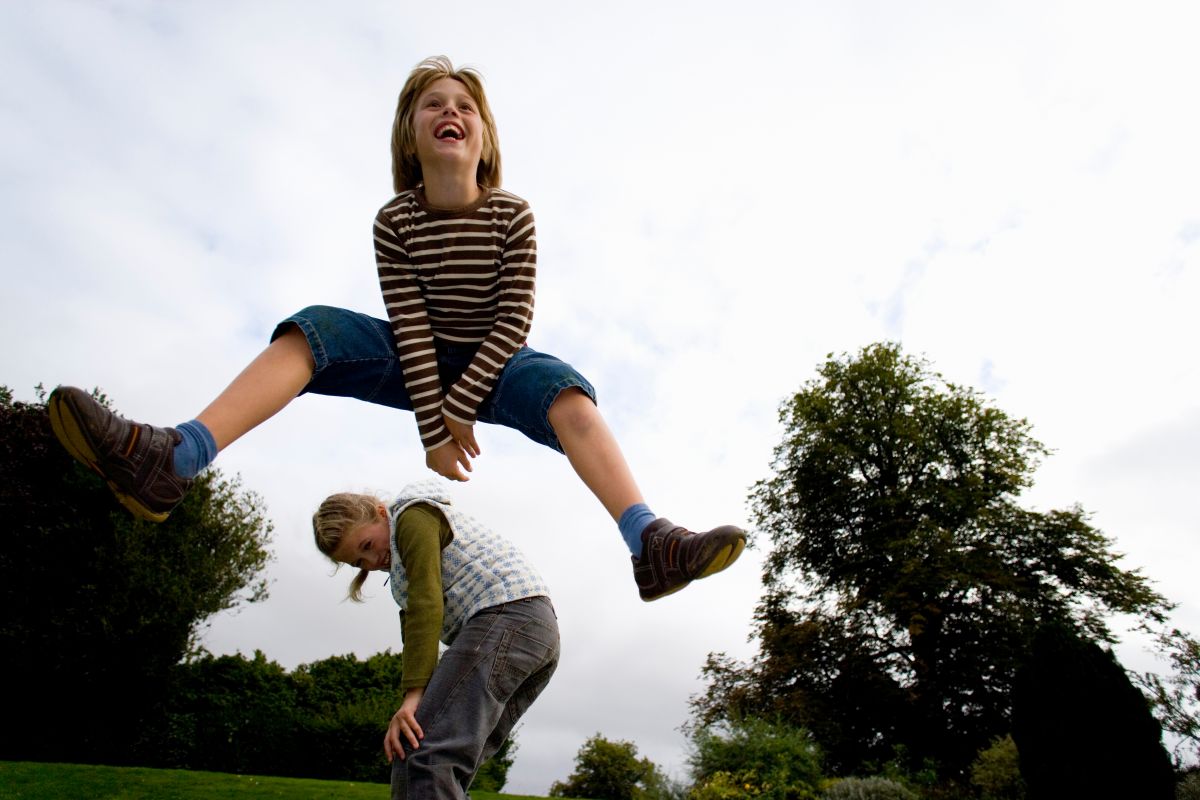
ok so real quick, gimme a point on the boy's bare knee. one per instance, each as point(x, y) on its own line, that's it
point(295, 342)
point(573, 412)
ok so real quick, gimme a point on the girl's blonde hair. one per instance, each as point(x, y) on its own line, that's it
point(406, 169)
point(337, 516)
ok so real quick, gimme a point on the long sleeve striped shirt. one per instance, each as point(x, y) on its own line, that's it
point(464, 276)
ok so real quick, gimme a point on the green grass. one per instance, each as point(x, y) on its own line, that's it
point(37, 781)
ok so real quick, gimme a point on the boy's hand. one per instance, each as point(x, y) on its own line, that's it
point(449, 460)
point(404, 723)
point(463, 434)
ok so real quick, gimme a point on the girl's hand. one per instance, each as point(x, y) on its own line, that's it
point(449, 461)
point(463, 434)
point(404, 723)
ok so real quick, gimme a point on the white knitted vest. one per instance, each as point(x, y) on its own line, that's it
point(479, 568)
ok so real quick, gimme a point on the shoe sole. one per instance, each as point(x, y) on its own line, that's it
point(724, 557)
point(70, 434)
point(720, 560)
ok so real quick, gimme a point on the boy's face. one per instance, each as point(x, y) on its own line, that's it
point(367, 546)
point(448, 129)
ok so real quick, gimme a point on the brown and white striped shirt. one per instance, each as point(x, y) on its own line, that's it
point(463, 276)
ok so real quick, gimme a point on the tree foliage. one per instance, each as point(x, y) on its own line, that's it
point(95, 606)
point(1176, 698)
point(606, 770)
point(903, 580)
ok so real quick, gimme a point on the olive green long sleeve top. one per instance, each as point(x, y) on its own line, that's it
point(422, 532)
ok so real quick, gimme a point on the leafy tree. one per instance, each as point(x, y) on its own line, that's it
point(904, 580)
point(95, 606)
point(607, 770)
point(751, 757)
point(1177, 698)
point(1082, 728)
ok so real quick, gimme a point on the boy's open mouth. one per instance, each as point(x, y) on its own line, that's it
point(448, 130)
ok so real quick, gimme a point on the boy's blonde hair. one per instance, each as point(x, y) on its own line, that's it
point(337, 516)
point(406, 169)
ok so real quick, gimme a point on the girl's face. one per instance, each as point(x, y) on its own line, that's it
point(447, 126)
point(368, 546)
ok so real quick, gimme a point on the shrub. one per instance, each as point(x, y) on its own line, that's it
point(996, 771)
point(1189, 787)
point(751, 757)
point(721, 786)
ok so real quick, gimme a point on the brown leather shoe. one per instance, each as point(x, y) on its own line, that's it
point(136, 460)
point(672, 557)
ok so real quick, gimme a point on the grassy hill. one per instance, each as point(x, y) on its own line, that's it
point(36, 781)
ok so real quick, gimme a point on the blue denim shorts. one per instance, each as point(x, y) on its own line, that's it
point(355, 356)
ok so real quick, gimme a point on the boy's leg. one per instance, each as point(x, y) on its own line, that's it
point(262, 389)
point(551, 403)
point(670, 557)
point(480, 682)
point(320, 349)
point(546, 399)
point(593, 451)
point(138, 460)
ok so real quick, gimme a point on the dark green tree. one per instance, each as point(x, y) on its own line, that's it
point(346, 704)
point(903, 580)
point(325, 719)
point(322, 720)
point(235, 714)
point(1082, 728)
point(97, 607)
point(607, 770)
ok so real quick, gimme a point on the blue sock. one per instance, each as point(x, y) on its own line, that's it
point(632, 522)
point(196, 451)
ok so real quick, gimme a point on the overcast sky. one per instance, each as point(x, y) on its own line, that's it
point(724, 194)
